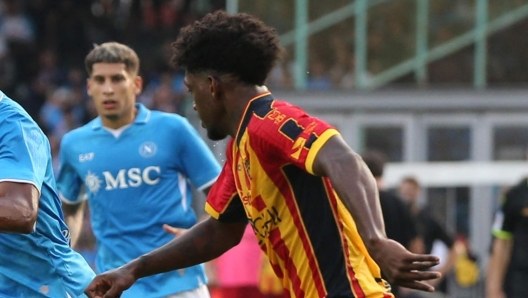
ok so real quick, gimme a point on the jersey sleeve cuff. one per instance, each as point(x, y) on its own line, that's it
point(210, 210)
point(23, 181)
point(316, 146)
point(502, 234)
point(80, 199)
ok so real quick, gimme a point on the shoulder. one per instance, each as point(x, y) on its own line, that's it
point(516, 193)
point(520, 187)
point(77, 134)
point(16, 120)
point(11, 112)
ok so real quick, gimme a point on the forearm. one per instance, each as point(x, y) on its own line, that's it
point(202, 243)
point(499, 261)
point(357, 189)
point(74, 217)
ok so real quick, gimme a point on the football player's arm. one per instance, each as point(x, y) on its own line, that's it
point(499, 260)
point(357, 189)
point(23, 154)
point(203, 242)
point(71, 192)
point(505, 222)
point(74, 217)
point(18, 207)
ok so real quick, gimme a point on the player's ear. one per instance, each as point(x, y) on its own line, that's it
point(138, 83)
point(89, 86)
point(214, 87)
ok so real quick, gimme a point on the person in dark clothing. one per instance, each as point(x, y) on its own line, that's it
point(508, 265)
point(399, 222)
point(429, 229)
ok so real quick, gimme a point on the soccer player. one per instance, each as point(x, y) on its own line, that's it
point(508, 266)
point(310, 199)
point(134, 166)
point(36, 259)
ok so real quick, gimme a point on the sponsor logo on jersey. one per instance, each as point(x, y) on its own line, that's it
point(124, 178)
point(86, 157)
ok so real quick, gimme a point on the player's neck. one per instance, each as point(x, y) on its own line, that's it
point(238, 101)
point(118, 122)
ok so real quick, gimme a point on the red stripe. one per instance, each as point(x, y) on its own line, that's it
point(352, 275)
point(282, 250)
point(258, 203)
point(281, 183)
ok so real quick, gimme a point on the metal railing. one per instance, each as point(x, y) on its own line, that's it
point(423, 55)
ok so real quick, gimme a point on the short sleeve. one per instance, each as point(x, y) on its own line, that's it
point(199, 163)
point(69, 183)
point(223, 202)
point(294, 135)
point(24, 151)
point(505, 219)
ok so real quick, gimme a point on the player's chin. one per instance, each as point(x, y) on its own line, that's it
point(215, 135)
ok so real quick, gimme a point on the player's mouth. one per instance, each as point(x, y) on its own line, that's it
point(109, 104)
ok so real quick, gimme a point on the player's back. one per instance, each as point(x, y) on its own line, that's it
point(293, 210)
point(39, 264)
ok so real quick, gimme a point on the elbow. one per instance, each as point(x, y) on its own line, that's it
point(21, 220)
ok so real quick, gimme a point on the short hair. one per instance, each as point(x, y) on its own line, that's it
point(375, 162)
point(412, 180)
point(112, 52)
point(240, 45)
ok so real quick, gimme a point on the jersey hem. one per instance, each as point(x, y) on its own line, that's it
point(209, 209)
point(23, 181)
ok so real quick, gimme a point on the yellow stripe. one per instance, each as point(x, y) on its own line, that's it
point(209, 209)
point(316, 146)
point(502, 234)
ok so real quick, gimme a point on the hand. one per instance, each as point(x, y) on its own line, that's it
point(110, 284)
point(402, 267)
point(175, 231)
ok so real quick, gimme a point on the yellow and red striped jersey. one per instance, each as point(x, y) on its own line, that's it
point(308, 234)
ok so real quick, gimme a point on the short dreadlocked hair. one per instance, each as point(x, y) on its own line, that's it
point(239, 45)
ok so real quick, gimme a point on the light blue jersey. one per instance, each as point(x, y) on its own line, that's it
point(39, 264)
point(136, 179)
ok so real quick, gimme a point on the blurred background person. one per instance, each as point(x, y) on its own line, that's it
point(507, 272)
point(431, 231)
point(399, 222)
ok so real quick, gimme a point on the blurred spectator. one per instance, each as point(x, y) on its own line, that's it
point(508, 265)
point(431, 231)
point(399, 223)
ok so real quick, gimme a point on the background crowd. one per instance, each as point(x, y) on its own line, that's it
point(43, 44)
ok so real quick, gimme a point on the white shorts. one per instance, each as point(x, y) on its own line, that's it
point(200, 292)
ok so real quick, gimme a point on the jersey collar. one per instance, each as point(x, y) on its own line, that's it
point(142, 117)
point(251, 105)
